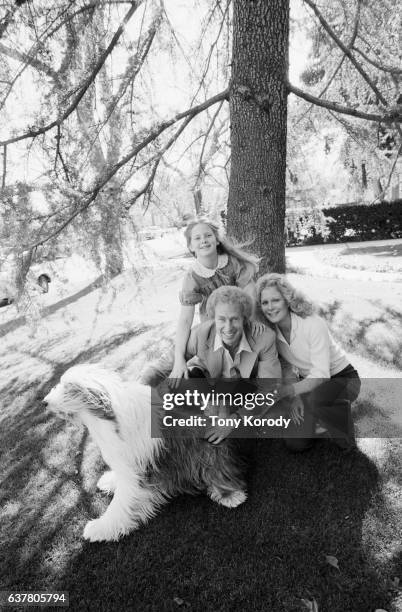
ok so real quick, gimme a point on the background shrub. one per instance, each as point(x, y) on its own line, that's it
point(346, 223)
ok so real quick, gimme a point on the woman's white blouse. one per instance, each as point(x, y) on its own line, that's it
point(312, 350)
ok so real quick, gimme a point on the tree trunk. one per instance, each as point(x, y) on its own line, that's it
point(258, 111)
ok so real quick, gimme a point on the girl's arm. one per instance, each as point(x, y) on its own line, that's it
point(257, 326)
point(250, 289)
point(182, 335)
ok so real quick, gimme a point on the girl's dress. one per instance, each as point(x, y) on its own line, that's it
point(200, 282)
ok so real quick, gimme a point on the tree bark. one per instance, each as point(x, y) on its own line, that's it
point(258, 111)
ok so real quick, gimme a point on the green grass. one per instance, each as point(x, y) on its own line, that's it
point(377, 336)
point(374, 258)
point(267, 555)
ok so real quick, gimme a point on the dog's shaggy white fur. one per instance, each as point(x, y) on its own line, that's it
point(145, 471)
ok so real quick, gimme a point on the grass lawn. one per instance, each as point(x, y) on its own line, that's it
point(319, 527)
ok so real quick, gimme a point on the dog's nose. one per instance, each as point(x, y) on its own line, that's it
point(44, 403)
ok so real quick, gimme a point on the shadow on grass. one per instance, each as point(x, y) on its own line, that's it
point(387, 250)
point(328, 311)
point(267, 554)
point(44, 467)
point(379, 337)
point(9, 326)
point(292, 269)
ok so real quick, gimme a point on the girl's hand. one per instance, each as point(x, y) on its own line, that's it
point(257, 328)
point(297, 410)
point(179, 371)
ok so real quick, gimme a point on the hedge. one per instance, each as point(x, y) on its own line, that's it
point(346, 223)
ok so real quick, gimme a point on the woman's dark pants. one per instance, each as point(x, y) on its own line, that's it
point(330, 404)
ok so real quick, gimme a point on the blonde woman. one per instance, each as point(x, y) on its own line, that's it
point(320, 379)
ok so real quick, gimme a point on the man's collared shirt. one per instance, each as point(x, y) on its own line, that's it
point(231, 367)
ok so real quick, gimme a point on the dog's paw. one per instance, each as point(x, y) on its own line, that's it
point(232, 500)
point(107, 482)
point(97, 531)
point(101, 530)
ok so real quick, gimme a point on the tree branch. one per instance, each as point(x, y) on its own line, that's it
point(394, 117)
point(59, 155)
point(346, 51)
point(31, 61)
point(134, 66)
point(211, 49)
point(7, 19)
point(157, 131)
point(339, 66)
point(390, 69)
point(201, 165)
point(381, 195)
point(33, 133)
point(158, 158)
point(145, 188)
point(350, 45)
point(3, 181)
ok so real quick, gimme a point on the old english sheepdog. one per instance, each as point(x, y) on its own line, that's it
point(144, 471)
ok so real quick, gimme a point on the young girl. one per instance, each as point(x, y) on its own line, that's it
point(216, 262)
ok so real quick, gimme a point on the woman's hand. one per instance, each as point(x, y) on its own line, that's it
point(297, 410)
point(178, 372)
point(257, 328)
point(285, 390)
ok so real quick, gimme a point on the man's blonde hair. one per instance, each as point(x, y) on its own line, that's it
point(228, 294)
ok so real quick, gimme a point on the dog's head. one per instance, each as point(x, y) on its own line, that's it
point(83, 387)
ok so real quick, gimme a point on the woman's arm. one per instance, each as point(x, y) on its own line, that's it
point(268, 362)
point(289, 389)
point(316, 338)
point(307, 385)
point(182, 335)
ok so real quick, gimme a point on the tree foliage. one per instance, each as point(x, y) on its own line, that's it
point(92, 127)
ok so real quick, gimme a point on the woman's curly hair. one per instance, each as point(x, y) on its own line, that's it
point(295, 299)
point(228, 294)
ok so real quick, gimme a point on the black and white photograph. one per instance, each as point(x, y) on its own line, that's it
point(201, 305)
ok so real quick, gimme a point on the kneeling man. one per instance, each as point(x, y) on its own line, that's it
point(227, 346)
point(230, 346)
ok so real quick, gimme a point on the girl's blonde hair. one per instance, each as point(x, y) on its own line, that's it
point(225, 244)
point(295, 299)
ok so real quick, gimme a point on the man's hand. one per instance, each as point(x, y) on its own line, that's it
point(179, 371)
point(297, 410)
point(217, 434)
